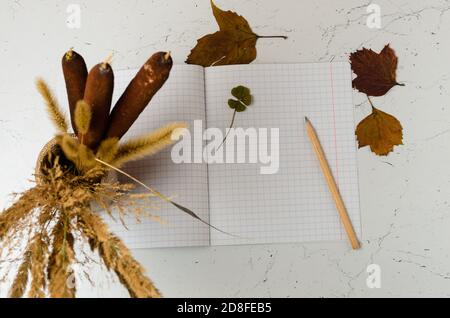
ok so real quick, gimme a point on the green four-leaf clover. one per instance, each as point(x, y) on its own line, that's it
point(243, 99)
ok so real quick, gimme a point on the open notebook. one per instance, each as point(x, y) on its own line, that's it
point(292, 205)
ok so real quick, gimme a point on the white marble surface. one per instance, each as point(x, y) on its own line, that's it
point(405, 197)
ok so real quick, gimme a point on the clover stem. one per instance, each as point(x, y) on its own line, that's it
point(231, 126)
point(271, 37)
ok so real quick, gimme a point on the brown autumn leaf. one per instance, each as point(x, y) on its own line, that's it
point(235, 43)
point(380, 131)
point(376, 72)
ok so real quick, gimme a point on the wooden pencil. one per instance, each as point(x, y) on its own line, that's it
point(332, 184)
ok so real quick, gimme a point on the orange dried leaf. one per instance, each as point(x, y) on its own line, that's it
point(380, 131)
point(235, 43)
point(376, 72)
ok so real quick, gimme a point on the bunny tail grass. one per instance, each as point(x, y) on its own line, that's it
point(146, 145)
point(83, 117)
point(108, 149)
point(53, 109)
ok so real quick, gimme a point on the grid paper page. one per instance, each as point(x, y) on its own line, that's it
point(293, 205)
point(181, 99)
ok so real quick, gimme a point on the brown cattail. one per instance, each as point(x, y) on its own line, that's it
point(147, 82)
point(98, 95)
point(75, 75)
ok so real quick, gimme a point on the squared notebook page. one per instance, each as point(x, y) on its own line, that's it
point(293, 205)
point(180, 99)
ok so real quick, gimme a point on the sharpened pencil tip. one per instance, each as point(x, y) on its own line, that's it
point(306, 119)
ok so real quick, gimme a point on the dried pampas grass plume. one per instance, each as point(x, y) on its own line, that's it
point(20, 282)
point(39, 250)
point(52, 216)
point(116, 256)
point(61, 284)
point(15, 214)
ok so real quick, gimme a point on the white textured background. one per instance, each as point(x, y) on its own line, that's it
point(405, 197)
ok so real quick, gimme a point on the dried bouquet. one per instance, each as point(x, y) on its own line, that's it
point(41, 232)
